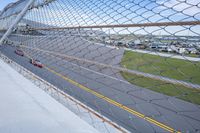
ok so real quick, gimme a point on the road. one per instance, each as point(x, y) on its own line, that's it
point(27, 109)
point(157, 53)
point(152, 76)
point(171, 112)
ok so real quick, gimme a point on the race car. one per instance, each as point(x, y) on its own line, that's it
point(19, 52)
point(36, 63)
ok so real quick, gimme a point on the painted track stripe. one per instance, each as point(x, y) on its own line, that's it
point(138, 114)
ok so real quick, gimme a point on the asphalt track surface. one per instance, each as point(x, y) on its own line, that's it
point(171, 112)
point(112, 59)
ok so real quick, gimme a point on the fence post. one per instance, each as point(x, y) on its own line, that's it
point(18, 18)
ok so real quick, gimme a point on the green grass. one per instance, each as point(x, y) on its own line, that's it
point(178, 91)
point(168, 67)
point(193, 55)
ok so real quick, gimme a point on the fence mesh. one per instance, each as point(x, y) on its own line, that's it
point(134, 61)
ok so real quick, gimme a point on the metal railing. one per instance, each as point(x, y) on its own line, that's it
point(135, 62)
point(83, 111)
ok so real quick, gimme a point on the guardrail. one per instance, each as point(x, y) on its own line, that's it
point(95, 119)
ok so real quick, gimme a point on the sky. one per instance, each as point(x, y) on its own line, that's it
point(102, 12)
point(3, 3)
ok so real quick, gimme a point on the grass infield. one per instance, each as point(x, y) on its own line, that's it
point(168, 67)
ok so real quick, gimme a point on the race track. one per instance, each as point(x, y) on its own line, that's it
point(172, 112)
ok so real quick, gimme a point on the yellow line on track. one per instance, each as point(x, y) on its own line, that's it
point(135, 113)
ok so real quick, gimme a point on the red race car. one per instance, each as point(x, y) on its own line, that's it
point(36, 63)
point(19, 52)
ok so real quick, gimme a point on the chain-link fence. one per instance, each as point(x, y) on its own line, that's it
point(134, 61)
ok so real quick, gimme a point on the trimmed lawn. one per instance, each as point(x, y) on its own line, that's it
point(168, 67)
point(178, 91)
point(164, 66)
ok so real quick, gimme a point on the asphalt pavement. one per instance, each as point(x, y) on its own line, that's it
point(172, 112)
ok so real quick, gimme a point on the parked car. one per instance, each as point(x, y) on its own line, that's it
point(36, 63)
point(19, 52)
